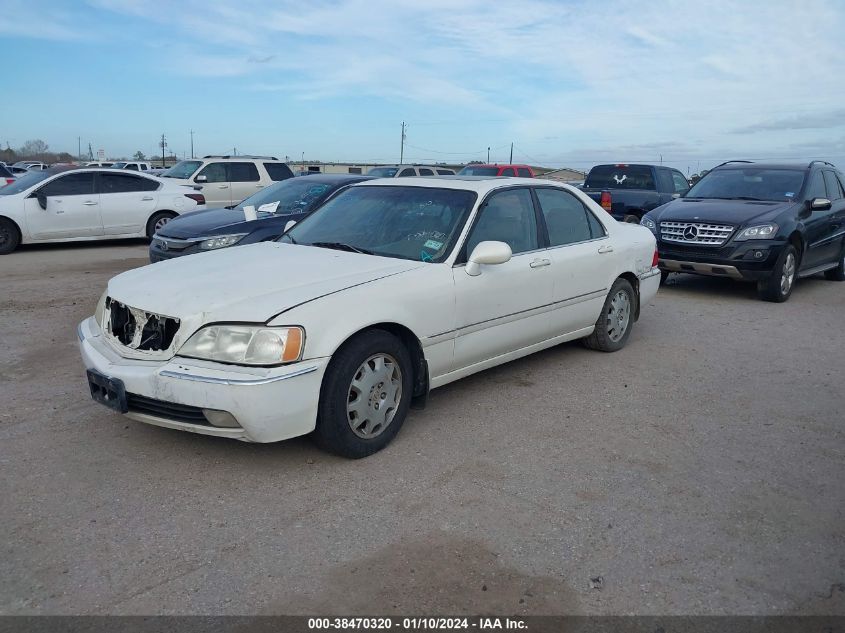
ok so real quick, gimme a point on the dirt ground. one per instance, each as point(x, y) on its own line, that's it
point(698, 471)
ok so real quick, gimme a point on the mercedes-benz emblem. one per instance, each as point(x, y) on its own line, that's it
point(690, 233)
point(162, 245)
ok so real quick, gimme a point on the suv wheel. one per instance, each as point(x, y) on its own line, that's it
point(838, 273)
point(9, 236)
point(779, 285)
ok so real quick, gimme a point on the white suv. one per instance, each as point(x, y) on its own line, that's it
point(226, 180)
point(134, 165)
point(403, 171)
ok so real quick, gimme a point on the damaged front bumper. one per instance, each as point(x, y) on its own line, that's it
point(252, 404)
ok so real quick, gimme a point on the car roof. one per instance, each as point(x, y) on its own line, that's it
point(479, 184)
point(801, 166)
point(496, 165)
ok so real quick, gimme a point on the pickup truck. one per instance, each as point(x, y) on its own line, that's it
point(628, 192)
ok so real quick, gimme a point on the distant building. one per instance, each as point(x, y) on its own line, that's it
point(564, 174)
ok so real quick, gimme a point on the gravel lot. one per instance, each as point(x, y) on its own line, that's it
point(700, 470)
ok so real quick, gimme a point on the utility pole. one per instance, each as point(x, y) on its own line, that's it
point(163, 145)
point(79, 148)
point(235, 151)
point(90, 152)
point(661, 159)
point(510, 162)
point(192, 144)
point(402, 146)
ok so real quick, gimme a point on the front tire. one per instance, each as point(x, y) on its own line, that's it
point(838, 273)
point(158, 221)
point(616, 320)
point(778, 287)
point(365, 395)
point(10, 237)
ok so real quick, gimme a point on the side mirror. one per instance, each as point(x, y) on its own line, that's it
point(201, 179)
point(488, 253)
point(289, 225)
point(42, 199)
point(820, 204)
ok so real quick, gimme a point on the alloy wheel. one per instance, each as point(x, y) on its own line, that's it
point(618, 316)
point(787, 273)
point(374, 395)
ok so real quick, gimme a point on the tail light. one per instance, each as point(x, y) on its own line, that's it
point(654, 259)
point(606, 201)
point(196, 197)
point(9, 181)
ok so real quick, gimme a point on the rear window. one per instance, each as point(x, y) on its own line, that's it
point(5, 173)
point(383, 172)
point(278, 171)
point(620, 177)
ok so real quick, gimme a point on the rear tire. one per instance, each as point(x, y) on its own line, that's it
point(158, 221)
point(631, 219)
point(365, 396)
point(10, 236)
point(616, 320)
point(838, 273)
point(778, 287)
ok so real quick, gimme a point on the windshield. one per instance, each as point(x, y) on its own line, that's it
point(119, 165)
point(383, 172)
point(418, 223)
point(749, 184)
point(25, 182)
point(620, 177)
point(479, 171)
point(182, 169)
point(290, 197)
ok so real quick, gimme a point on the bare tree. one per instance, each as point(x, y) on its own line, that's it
point(34, 149)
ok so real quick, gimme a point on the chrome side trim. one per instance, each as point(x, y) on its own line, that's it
point(676, 266)
point(235, 382)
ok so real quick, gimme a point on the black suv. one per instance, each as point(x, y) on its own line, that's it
point(763, 222)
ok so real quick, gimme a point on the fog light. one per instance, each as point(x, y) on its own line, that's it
point(220, 418)
point(758, 254)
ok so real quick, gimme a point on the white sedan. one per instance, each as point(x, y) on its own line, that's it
point(57, 205)
point(392, 288)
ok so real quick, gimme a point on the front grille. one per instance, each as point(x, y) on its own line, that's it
point(167, 410)
point(695, 233)
point(138, 329)
point(172, 244)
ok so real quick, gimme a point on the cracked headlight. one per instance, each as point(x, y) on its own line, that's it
point(221, 241)
point(759, 232)
point(246, 344)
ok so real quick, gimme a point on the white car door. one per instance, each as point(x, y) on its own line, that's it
point(126, 202)
point(244, 180)
point(71, 208)
point(503, 309)
point(214, 179)
point(582, 257)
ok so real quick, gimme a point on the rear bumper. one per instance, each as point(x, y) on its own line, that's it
point(751, 260)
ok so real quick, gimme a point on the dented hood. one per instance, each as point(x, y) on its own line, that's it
point(250, 283)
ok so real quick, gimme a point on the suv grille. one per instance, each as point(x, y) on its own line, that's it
point(138, 329)
point(695, 233)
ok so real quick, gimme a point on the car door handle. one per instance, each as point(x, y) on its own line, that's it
point(539, 263)
point(605, 249)
point(89, 203)
point(222, 186)
point(147, 198)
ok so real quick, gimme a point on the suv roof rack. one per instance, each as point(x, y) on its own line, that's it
point(728, 162)
point(823, 162)
point(240, 156)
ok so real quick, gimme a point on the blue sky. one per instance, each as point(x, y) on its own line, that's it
point(570, 83)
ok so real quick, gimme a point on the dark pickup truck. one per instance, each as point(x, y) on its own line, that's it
point(628, 192)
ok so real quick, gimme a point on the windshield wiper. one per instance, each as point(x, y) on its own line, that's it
point(340, 246)
point(744, 198)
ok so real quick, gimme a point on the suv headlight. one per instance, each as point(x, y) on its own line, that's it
point(246, 344)
point(648, 223)
point(759, 232)
point(221, 241)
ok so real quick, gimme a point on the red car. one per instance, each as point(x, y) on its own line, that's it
point(523, 171)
